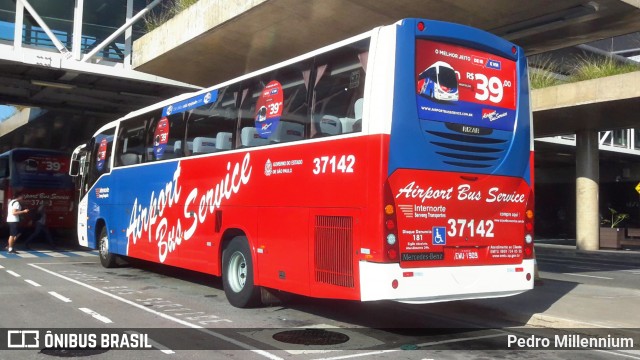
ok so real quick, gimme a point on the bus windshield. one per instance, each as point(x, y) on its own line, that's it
point(447, 79)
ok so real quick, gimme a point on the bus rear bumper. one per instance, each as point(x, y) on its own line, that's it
point(428, 285)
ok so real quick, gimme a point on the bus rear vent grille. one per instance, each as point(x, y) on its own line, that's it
point(333, 255)
point(473, 152)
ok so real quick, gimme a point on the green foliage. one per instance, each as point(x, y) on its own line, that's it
point(164, 12)
point(545, 72)
point(616, 218)
point(587, 68)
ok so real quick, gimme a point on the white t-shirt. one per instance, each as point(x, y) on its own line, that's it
point(13, 205)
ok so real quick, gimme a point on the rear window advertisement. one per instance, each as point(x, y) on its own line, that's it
point(465, 86)
point(269, 109)
point(41, 164)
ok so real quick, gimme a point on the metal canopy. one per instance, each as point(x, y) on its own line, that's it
point(55, 60)
point(77, 92)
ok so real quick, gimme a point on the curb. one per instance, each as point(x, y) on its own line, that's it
point(549, 321)
point(569, 250)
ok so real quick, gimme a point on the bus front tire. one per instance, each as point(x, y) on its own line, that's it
point(107, 259)
point(237, 274)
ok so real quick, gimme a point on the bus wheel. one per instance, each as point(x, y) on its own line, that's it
point(107, 259)
point(237, 274)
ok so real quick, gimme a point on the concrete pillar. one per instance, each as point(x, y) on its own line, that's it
point(587, 186)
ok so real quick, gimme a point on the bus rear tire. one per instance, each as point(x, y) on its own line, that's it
point(237, 274)
point(107, 259)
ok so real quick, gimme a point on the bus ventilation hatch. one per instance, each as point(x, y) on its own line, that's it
point(333, 254)
point(484, 149)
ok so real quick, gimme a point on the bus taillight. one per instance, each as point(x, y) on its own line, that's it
point(528, 228)
point(391, 246)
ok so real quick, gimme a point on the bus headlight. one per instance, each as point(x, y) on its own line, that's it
point(391, 239)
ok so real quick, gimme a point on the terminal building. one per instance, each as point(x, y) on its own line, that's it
point(72, 65)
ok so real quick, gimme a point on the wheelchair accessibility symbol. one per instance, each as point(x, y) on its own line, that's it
point(439, 235)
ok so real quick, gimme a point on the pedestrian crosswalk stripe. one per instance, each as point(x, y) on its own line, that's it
point(57, 254)
point(83, 253)
point(29, 254)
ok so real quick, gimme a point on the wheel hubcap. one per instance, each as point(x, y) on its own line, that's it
point(104, 247)
point(237, 271)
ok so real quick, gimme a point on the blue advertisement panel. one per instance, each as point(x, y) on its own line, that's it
point(465, 86)
point(191, 103)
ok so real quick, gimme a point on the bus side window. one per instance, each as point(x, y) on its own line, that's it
point(4, 167)
point(209, 123)
point(340, 77)
point(162, 135)
point(276, 105)
point(130, 145)
point(100, 163)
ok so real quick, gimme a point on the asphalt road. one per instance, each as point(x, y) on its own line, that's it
point(181, 314)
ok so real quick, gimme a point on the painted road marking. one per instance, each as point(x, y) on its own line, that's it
point(60, 297)
point(32, 283)
point(590, 276)
point(13, 273)
point(165, 316)
point(29, 254)
point(427, 344)
point(155, 344)
point(95, 315)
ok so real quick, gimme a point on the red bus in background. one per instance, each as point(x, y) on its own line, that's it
point(42, 177)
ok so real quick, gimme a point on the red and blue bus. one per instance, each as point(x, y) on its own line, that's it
point(43, 178)
point(330, 175)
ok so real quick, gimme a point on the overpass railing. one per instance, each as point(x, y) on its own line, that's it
point(619, 140)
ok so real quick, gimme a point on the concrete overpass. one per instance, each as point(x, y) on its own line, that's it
point(585, 108)
point(219, 40)
point(599, 104)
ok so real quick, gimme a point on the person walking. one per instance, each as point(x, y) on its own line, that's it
point(40, 219)
point(13, 218)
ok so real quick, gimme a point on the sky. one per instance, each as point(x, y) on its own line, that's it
point(6, 111)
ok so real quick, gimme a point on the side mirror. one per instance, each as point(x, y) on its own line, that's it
point(74, 169)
